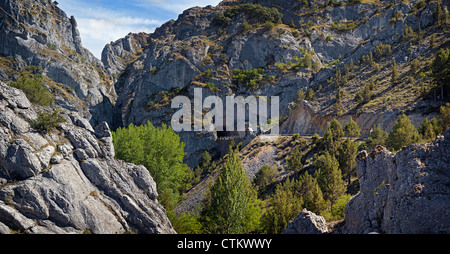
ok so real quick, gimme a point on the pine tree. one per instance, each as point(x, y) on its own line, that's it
point(394, 72)
point(377, 137)
point(352, 129)
point(308, 188)
point(440, 68)
point(331, 139)
point(329, 177)
point(283, 207)
point(231, 200)
point(427, 130)
point(404, 133)
point(347, 158)
point(338, 107)
point(265, 176)
point(310, 95)
point(336, 129)
point(295, 161)
point(444, 114)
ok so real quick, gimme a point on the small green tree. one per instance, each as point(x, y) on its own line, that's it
point(205, 161)
point(352, 129)
point(414, 66)
point(294, 162)
point(377, 137)
point(440, 68)
point(427, 130)
point(300, 95)
point(331, 139)
point(338, 107)
point(403, 133)
point(395, 76)
point(284, 205)
point(310, 95)
point(444, 114)
point(329, 177)
point(265, 176)
point(347, 158)
point(364, 95)
point(34, 88)
point(228, 206)
point(312, 195)
point(336, 129)
point(46, 121)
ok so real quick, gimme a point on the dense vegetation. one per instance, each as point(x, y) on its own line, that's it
point(248, 78)
point(32, 84)
point(160, 151)
point(256, 12)
point(319, 175)
point(47, 121)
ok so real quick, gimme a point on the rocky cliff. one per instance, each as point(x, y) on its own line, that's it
point(38, 33)
point(67, 180)
point(403, 192)
point(305, 48)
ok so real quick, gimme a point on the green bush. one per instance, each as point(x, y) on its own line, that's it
point(248, 78)
point(352, 129)
point(265, 176)
point(221, 20)
point(404, 133)
point(47, 121)
point(382, 50)
point(310, 95)
point(294, 162)
point(255, 12)
point(34, 89)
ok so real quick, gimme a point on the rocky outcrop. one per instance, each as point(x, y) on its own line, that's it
point(306, 120)
point(402, 193)
point(307, 223)
point(39, 33)
point(178, 54)
point(67, 180)
point(116, 56)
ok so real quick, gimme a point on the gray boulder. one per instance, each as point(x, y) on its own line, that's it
point(67, 180)
point(307, 223)
point(402, 193)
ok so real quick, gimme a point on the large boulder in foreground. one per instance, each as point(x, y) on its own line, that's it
point(307, 223)
point(407, 192)
point(67, 180)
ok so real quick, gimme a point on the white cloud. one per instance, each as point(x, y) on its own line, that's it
point(101, 22)
point(100, 26)
point(96, 33)
point(178, 6)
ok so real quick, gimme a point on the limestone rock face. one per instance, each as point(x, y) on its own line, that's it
point(117, 55)
point(406, 192)
point(67, 180)
point(307, 223)
point(38, 33)
point(175, 59)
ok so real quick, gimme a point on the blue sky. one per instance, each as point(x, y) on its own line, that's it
point(103, 21)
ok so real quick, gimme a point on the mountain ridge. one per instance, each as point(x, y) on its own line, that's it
point(324, 59)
